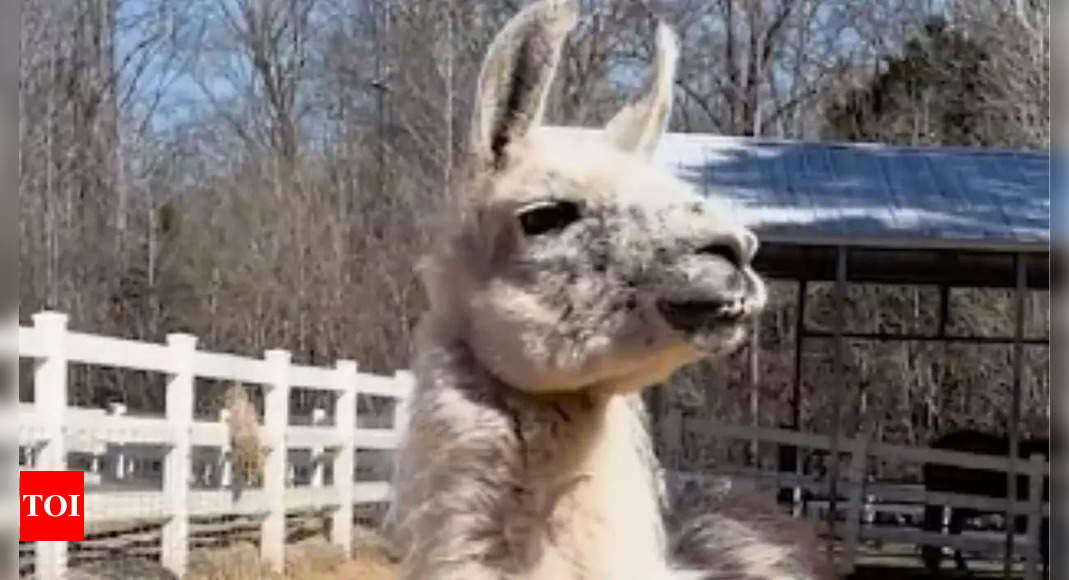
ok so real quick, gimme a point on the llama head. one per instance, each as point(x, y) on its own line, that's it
point(576, 264)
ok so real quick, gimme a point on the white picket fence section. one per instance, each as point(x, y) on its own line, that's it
point(49, 429)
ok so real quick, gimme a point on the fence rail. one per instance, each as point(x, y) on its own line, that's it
point(853, 487)
point(49, 430)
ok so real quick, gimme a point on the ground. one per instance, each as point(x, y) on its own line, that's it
point(310, 559)
point(918, 573)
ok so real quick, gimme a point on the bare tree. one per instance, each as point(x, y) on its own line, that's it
point(1016, 87)
point(262, 172)
point(755, 68)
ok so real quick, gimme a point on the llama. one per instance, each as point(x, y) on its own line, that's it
point(573, 276)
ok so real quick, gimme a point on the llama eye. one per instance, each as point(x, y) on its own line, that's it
point(544, 217)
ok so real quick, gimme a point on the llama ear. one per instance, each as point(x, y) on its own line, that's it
point(516, 77)
point(639, 125)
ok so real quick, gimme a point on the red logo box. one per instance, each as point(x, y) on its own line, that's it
point(51, 506)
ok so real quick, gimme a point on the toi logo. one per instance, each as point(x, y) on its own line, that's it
point(51, 506)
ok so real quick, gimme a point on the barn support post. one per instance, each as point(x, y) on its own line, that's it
point(944, 310)
point(799, 340)
point(1015, 412)
point(840, 386)
point(755, 390)
point(796, 395)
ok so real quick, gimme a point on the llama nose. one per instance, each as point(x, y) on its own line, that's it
point(738, 247)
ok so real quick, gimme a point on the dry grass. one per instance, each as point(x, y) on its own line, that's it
point(243, 423)
point(361, 570)
point(238, 562)
point(312, 559)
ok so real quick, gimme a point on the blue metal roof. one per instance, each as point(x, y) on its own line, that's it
point(1059, 194)
point(949, 197)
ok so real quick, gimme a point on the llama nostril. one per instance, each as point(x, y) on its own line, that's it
point(737, 249)
point(728, 252)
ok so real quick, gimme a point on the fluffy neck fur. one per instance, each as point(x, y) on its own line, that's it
point(495, 481)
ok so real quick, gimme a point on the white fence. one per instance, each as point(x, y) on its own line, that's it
point(859, 493)
point(50, 429)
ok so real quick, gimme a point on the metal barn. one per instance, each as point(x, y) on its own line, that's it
point(849, 213)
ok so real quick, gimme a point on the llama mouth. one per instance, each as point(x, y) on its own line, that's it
point(691, 316)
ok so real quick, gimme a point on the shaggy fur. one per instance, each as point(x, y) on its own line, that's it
point(574, 275)
point(743, 536)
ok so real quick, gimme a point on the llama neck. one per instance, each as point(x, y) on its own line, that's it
point(613, 515)
point(591, 506)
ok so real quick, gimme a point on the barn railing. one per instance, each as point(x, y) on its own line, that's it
point(859, 493)
point(49, 429)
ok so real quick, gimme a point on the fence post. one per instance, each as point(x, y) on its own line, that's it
point(800, 488)
point(345, 459)
point(9, 490)
point(406, 382)
point(1038, 467)
point(854, 506)
point(225, 461)
point(50, 406)
point(178, 466)
point(318, 453)
point(276, 418)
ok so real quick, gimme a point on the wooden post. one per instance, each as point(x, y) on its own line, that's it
point(796, 400)
point(178, 463)
point(1038, 464)
point(854, 505)
point(755, 390)
point(839, 372)
point(345, 458)
point(50, 406)
point(1015, 411)
point(276, 418)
